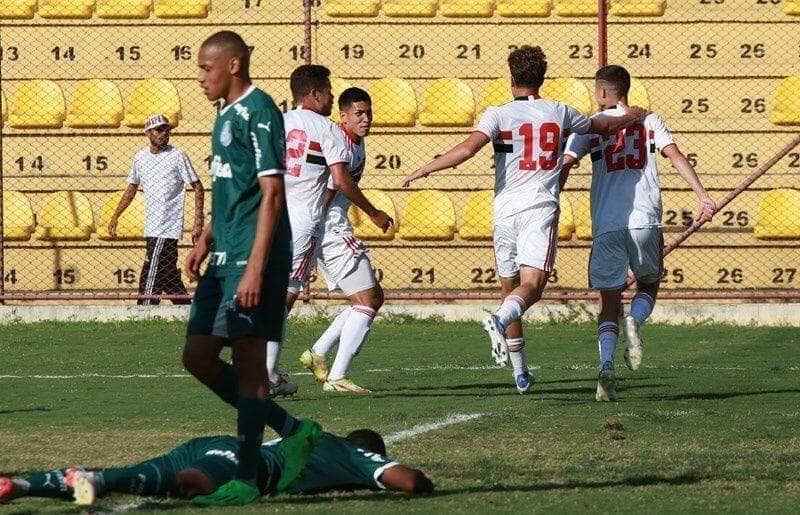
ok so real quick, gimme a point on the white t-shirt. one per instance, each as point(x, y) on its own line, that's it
point(625, 189)
point(163, 178)
point(313, 143)
point(528, 135)
point(336, 216)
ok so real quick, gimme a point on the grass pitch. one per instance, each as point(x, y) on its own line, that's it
point(709, 423)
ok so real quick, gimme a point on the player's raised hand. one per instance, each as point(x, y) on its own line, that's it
point(707, 209)
point(248, 292)
point(112, 227)
point(636, 112)
point(414, 176)
point(382, 220)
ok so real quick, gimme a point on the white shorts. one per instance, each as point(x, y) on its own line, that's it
point(304, 252)
point(616, 251)
point(344, 262)
point(527, 238)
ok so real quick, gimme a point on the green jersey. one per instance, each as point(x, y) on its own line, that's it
point(247, 143)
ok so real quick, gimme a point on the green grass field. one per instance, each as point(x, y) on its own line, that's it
point(709, 423)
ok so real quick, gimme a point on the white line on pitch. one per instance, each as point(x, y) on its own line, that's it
point(454, 418)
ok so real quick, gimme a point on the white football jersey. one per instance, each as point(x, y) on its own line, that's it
point(528, 134)
point(313, 143)
point(625, 189)
point(339, 206)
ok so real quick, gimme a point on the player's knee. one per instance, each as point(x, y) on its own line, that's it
point(376, 298)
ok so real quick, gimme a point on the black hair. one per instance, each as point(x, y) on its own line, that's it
point(350, 96)
point(368, 440)
point(307, 77)
point(528, 65)
point(615, 78)
point(234, 45)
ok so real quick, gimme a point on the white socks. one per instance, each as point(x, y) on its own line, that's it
point(607, 333)
point(353, 334)
point(516, 351)
point(273, 358)
point(332, 334)
point(510, 310)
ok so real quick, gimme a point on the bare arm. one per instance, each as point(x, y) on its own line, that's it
point(686, 170)
point(453, 157)
point(408, 480)
point(343, 181)
point(569, 163)
point(199, 194)
point(607, 125)
point(198, 254)
point(124, 202)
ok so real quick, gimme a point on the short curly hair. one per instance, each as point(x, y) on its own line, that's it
point(528, 65)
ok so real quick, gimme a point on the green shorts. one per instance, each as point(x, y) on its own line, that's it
point(215, 456)
point(215, 311)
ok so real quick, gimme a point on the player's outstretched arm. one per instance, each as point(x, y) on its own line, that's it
point(124, 202)
point(707, 206)
point(607, 125)
point(453, 157)
point(343, 181)
point(198, 254)
point(199, 220)
point(406, 479)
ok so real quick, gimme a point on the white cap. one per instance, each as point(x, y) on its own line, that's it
point(157, 120)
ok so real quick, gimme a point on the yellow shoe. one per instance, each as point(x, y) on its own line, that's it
point(343, 385)
point(316, 364)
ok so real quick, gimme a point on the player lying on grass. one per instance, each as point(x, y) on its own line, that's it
point(626, 217)
point(201, 465)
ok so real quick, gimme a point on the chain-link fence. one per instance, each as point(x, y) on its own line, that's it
point(81, 77)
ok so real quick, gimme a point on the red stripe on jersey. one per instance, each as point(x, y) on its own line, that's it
point(313, 145)
point(651, 134)
point(506, 134)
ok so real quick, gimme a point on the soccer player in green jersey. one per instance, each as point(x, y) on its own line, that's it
point(239, 299)
point(202, 464)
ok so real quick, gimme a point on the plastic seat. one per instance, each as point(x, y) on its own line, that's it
point(410, 8)
point(364, 227)
point(495, 93)
point(18, 220)
point(779, 215)
point(352, 8)
point(569, 91)
point(583, 220)
point(181, 8)
point(791, 7)
point(448, 103)
point(566, 220)
point(95, 103)
point(467, 8)
point(575, 8)
point(124, 9)
point(428, 215)
point(17, 9)
point(66, 8)
point(524, 8)
point(65, 215)
point(130, 225)
point(786, 103)
point(637, 95)
point(478, 217)
point(638, 7)
point(152, 96)
point(337, 86)
point(394, 103)
point(38, 104)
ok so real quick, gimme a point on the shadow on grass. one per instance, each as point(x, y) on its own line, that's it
point(709, 396)
point(25, 410)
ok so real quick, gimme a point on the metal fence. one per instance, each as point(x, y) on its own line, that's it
point(79, 79)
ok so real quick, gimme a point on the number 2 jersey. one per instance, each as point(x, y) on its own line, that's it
point(528, 134)
point(625, 189)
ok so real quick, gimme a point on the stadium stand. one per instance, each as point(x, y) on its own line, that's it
point(467, 8)
point(96, 103)
point(575, 8)
point(638, 8)
point(3, 108)
point(495, 93)
point(124, 9)
point(18, 219)
point(38, 104)
point(365, 229)
point(352, 8)
point(478, 217)
point(583, 219)
point(570, 91)
point(394, 103)
point(66, 9)
point(17, 9)
point(410, 8)
point(524, 8)
point(152, 96)
point(779, 215)
point(181, 8)
point(448, 102)
point(786, 102)
point(792, 7)
point(130, 225)
point(428, 215)
point(566, 220)
point(337, 86)
point(65, 215)
point(637, 95)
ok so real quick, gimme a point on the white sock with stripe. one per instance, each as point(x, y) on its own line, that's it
point(354, 333)
point(516, 351)
point(273, 358)
point(510, 310)
point(331, 336)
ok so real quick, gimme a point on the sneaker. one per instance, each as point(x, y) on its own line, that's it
point(296, 450)
point(633, 349)
point(606, 383)
point(343, 385)
point(283, 388)
point(524, 381)
point(6, 489)
point(232, 493)
point(316, 364)
point(497, 340)
point(86, 487)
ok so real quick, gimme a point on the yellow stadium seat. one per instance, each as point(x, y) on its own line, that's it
point(638, 7)
point(779, 215)
point(337, 86)
point(18, 221)
point(428, 215)
point(352, 8)
point(569, 91)
point(124, 9)
point(17, 9)
point(448, 103)
point(792, 7)
point(364, 227)
point(153, 96)
point(478, 217)
point(96, 103)
point(524, 8)
point(410, 8)
point(130, 225)
point(575, 8)
point(394, 103)
point(583, 220)
point(786, 103)
point(637, 95)
point(38, 104)
point(65, 215)
point(566, 220)
point(496, 92)
point(66, 8)
point(467, 8)
point(3, 108)
point(181, 8)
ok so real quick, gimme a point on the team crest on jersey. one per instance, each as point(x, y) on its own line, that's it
point(242, 111)
point(226, 135)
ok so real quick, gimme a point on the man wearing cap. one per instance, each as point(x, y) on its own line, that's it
point(162, 171)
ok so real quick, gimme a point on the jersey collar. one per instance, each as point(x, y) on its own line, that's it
point(535, 96)
point(244, 95)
